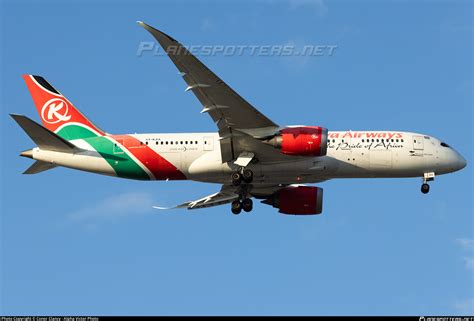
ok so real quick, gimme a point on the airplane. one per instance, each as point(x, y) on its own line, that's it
point(250, 156)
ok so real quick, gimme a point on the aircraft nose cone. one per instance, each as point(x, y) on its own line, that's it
point(454, 161)
point(461, 162)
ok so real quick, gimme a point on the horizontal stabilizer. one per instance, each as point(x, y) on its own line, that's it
point(44, 138)
point(39, 167)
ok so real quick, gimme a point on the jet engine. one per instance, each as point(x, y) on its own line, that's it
point(297, 200)
point(301, 141)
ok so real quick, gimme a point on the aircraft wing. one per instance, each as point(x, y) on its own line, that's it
point(227, 194)
point(233, 115)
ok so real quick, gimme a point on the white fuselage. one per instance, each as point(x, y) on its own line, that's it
point(350, 154)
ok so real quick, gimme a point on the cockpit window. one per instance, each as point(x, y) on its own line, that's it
point(444, 145)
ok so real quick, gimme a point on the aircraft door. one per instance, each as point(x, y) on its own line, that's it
point(208, 143)
point(418, 143)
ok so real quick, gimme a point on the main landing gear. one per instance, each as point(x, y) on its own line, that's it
point(242, 175)
point(427, 177)
point(241, 178)
point(238, 205)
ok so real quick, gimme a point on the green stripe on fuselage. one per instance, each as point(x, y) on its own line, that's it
point(71, 132)
point(123, 165)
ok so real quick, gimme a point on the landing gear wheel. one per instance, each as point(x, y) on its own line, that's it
point(247, 175)
point(236, 178)
point(236, 207)
point(247, 204)
point(425, 188)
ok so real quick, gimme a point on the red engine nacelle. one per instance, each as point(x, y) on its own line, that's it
point(298, 200)
point(302, 141)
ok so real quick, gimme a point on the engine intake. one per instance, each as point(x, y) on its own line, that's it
point(297, 200)
point(301, 141)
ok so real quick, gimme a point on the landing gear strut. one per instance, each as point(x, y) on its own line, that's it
point(242, 178)
point(427, 177)
point(244, 202)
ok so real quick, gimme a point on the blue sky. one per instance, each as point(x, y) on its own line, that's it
point(78, 243)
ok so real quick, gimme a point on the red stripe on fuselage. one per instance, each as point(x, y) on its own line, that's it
point(160, 167)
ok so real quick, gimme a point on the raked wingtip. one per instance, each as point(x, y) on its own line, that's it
point(162, 208)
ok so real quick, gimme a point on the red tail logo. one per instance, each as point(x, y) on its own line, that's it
point(54, 111)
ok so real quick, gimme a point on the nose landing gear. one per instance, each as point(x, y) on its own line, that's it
point(427, 177)
point(425, 188)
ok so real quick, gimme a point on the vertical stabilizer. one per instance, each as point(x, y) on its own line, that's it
point(57, 113)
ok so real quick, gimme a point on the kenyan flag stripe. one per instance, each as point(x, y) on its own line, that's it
point(129, 157)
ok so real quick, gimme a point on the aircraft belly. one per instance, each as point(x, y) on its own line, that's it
point(380, 160)
point(208, 167)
